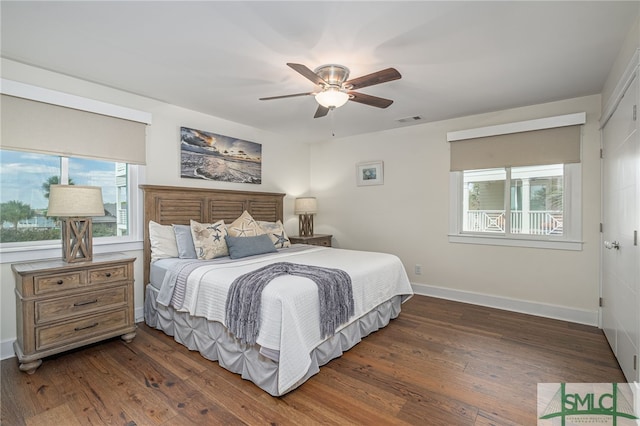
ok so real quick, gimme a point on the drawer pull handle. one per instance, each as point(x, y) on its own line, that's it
point(89, 302)
point(84, 328)
point(108, 274)
point(60, 282)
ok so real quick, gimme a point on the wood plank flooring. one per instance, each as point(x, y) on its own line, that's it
point(440, 362)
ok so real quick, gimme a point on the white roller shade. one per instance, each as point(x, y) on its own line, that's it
point(42, 127)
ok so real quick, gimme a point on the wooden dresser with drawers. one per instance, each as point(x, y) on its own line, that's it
point(62, 306)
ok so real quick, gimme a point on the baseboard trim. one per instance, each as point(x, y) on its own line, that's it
point(6, 347)
point(564, 313)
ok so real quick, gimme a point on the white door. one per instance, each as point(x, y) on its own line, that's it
point(621, 222)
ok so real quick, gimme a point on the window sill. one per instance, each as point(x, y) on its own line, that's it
point(49, 251)
point(493, 240)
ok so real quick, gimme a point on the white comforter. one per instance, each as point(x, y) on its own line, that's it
point(290, 306)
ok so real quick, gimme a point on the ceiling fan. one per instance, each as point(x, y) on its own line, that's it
point(334, 90)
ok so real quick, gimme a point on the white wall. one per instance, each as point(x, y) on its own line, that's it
point(285, 166)
point(408, 216)
point(627, 50)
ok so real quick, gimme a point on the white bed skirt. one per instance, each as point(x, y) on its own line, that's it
point(215, 343)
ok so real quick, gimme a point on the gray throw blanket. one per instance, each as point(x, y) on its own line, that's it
point(243, 301)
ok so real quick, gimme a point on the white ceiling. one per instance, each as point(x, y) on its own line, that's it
point(456, 58)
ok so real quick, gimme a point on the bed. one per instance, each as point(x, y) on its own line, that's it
point(184, 297)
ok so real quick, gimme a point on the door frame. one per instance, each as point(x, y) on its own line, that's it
point(631, 72)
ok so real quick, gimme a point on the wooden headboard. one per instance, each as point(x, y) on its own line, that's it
point(168, 205)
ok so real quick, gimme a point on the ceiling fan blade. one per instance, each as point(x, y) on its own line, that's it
point(286, 96)
point(383, 76)
point(321, 111)
point(369, 100)
point(306, 72)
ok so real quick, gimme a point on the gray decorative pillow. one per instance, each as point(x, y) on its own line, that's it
point(249, 246)
point(208, 239)
point(184, 240)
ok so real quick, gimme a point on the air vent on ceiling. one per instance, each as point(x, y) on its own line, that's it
point(409, 119)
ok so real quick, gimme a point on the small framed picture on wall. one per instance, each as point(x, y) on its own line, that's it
point(369, 173)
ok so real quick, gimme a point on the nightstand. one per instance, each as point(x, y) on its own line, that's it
point(62, 306)
point(315, 240)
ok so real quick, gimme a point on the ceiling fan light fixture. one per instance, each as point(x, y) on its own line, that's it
point(336, 89)
point(332, 97)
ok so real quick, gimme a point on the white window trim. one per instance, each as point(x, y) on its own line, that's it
point(27, 251)
point(40, 94)
point(519, 126)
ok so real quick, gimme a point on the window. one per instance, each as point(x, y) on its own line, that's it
point(23, 197)
point(103, 145)
point(518, 196)
point(520, 206)
point(532, 206)
point(24, 191)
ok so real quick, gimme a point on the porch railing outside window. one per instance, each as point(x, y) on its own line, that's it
point(545, 222)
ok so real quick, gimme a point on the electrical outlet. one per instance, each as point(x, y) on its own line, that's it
point(418, 269)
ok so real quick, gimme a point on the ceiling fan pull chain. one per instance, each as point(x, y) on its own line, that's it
point(332, 122)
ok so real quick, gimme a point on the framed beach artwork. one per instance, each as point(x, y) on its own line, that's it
point(369, 173)
point(210, 156)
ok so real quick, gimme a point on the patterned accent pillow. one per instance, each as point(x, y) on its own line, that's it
point(276, 232)
point(244, 226)
point(208, 239)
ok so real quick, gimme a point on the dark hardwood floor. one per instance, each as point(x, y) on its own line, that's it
point(440, 362)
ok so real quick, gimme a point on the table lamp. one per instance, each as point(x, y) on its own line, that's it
point(74, 204)
point(306, 207)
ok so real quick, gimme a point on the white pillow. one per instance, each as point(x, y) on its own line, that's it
point(163, 241)
point(275, 231)
point(208, 239)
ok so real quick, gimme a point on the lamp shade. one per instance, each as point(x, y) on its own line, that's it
point(306, 205)
point(332, 98)
point(75, 201)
